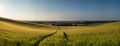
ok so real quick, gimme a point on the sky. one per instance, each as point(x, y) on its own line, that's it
point(60, 10)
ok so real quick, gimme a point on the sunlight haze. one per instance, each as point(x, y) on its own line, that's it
point(60, 10)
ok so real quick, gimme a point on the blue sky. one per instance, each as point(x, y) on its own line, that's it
point(54, 10)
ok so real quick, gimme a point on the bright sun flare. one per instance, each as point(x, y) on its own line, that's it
point(2, 7)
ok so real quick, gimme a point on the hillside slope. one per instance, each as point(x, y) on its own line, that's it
point(15, 33)
point(103, 35)
point(18, 33)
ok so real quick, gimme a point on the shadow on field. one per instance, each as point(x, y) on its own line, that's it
point(95, 24)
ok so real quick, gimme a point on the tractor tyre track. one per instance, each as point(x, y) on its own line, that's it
point(65, 35)
point(43, 38)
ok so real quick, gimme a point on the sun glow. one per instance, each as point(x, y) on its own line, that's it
point(2, 8)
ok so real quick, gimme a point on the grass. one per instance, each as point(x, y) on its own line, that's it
point(14, 34)
point(28, 34)
point(103, 35)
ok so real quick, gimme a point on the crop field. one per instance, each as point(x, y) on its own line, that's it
point(16, 34)
point(12, 34)
point(102, 35)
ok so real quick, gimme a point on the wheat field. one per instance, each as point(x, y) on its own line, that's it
point(16, 34)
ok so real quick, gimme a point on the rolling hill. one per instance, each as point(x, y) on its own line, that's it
point(103, 35)
point(19, 33)
point(14, 33)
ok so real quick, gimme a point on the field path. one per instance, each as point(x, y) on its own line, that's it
point(65, 36)
point(41, 39)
